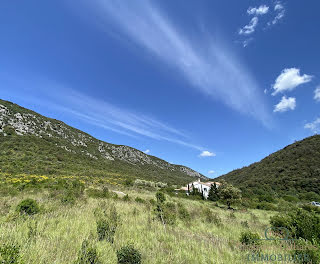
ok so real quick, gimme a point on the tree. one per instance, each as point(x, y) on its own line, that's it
point(213, 193)
point(229, 194)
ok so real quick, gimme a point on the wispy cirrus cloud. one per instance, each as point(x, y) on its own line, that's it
point(119, 120)
point(250, 28)
point(47, 94)
point(206, 63)
point(280, 13)
point(317, 94)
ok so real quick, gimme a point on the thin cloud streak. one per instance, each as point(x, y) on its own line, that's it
point(121, 121)
point(211, 69)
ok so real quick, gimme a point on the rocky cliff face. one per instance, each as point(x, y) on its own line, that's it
point(21, 121)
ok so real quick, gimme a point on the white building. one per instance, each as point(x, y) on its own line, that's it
point(202, 187)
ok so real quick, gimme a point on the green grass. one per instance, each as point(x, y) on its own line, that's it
point(61, 230)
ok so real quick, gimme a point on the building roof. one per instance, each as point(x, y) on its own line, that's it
point(205, 183)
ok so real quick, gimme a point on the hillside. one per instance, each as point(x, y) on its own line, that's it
point(33, 144)
point(294, 169)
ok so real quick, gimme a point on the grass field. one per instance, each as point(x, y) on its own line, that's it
point(201, 233)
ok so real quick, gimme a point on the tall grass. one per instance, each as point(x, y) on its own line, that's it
point(60, 230)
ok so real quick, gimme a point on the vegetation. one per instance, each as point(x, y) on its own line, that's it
point(28, 206)
point(88, 254)
point(58, 152)
point(292, 171)
point(229, 194)
point(128, 255)
point(94, 229)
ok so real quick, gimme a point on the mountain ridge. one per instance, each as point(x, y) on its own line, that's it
point(291, 170)
point(19, 121)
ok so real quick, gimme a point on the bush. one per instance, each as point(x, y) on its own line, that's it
point(165, 212)
point(290, 198)
point(68, 198)
point(300, 223)
point(128, 255)
point(28, 206)
point(311, 208)
point(211, 217)
point(161, 198)
point(249, 239)
point(107, 224)
point(266, 206)
point(304, 248)
point(183, 213)
point(88, 254)
point(97, 193)
point(170, 213)
point(139, 200)
point(9, 254)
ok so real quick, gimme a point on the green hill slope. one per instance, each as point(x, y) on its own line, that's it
point(293, 170)
point(33, 144)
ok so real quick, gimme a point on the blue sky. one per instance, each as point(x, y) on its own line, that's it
point(213, 85)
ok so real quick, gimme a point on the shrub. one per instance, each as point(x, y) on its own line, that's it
point(290, 198)
point(183, 213)
point(229, 194)
point(249, 238)
point(300, 223)
point(211, 217)
point(9, 253)
point(307, 252)
point(68, 198)
point(139, 200)
point(161, 198)
point(165, 212)
point(152, 201)
point(311, 208)
point(266, 206)
point(169, 213)
point(28, 206)
point(128, 182)
point(128, 255)
point(97, 193)
point(107, 224)
point(88, 254)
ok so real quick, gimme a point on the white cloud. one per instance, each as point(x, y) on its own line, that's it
point(278, 6)
point(313, 126)
point(261, 10)
point(289, 79)
point(285, 104)
point(147, 151)
point(203, 61)
point(317, 94)
point(250, 28)
point(280, 10)
point(207, 153)
point(246, 42)
point(211, 171)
